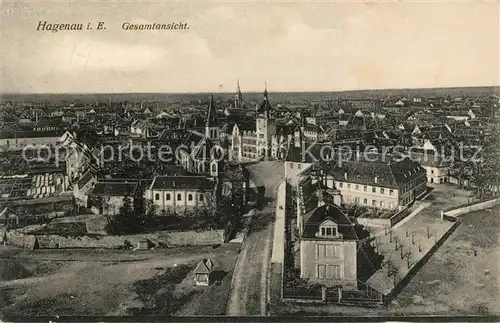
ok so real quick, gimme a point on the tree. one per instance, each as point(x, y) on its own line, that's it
point(127, 221)
point(150, 209)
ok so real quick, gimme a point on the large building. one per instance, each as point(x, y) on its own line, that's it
point(181, 194)
point(259, 141)
point(202, 153)
point(329, 247)
point(377, 183)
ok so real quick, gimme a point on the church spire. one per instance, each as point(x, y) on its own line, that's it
point(265, 90)
point(211, 113)
point(238, 98)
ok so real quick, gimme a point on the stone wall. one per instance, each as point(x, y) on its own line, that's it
point(472, 208)
point(374, 222)
point(171, 239)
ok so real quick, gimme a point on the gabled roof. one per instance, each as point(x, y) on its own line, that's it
point(205, 266)
point(375, 171)
point(346, 228)
point(182, 183)
point(85, 179)
point(119, 188)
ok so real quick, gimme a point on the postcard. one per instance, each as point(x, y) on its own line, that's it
point(241, 160)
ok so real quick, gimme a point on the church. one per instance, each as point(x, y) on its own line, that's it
point(202, 153)
point(264, 140)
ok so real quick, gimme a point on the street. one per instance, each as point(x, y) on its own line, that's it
point(248, 295)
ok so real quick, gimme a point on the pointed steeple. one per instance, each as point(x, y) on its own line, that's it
point(238, 98)
point(264, 108)
point(211, 113)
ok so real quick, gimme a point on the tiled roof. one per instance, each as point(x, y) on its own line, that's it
point(120, 188)
point(204, 267)
point(182, 182)
point(246, 126)
point(30, 134)
point(348, 229)
point(389, 173)
point(85, 179)
point(428, 158)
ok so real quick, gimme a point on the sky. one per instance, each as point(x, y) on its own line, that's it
point(293, 46)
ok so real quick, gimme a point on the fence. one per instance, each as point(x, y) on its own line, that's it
point(364, 296)
point(396, 218)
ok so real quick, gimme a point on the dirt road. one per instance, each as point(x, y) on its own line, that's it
point(248, 295)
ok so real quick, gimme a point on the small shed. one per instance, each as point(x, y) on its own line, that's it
point(203, 273)
point(144, 244)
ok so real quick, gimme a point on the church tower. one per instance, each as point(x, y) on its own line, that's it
point(266, 127)
point(238, 98)
point(211, 128)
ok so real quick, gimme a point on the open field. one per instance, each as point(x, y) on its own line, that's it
point(112, 282)
point(456, 280)
point(461, 278)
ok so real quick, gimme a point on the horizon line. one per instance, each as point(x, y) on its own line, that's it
point(256, 92)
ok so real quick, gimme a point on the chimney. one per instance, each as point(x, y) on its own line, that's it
point(376, 179)
point(345, 175)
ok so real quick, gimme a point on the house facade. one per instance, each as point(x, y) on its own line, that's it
point(180, 194)
point(379, 184)
point(14, 139)
point(328, 248)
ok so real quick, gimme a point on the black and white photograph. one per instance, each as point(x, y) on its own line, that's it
point(250, 160)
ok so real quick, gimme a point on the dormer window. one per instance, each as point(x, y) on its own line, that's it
point(328, 229)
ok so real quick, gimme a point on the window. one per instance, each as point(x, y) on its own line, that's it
point(333, 272)
point(391, 192)
point(365, 201)
point(214, 168)
point(157, 196)
point(321, 271)
point(298, 166)
point(190, 197)
point(291, 165)
point(349, 186)
point(356, 200)
point(382, 191)
point(330, 251)
point(374, 190)
point(341, 184)
point(381, 204)
point(364, 188)
point(168, 197)
point(201, 197)
point(320, 251)
point(374, 203)
point(391, 205)
point(179, 197)
point(328, 232)
point(357, 187)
